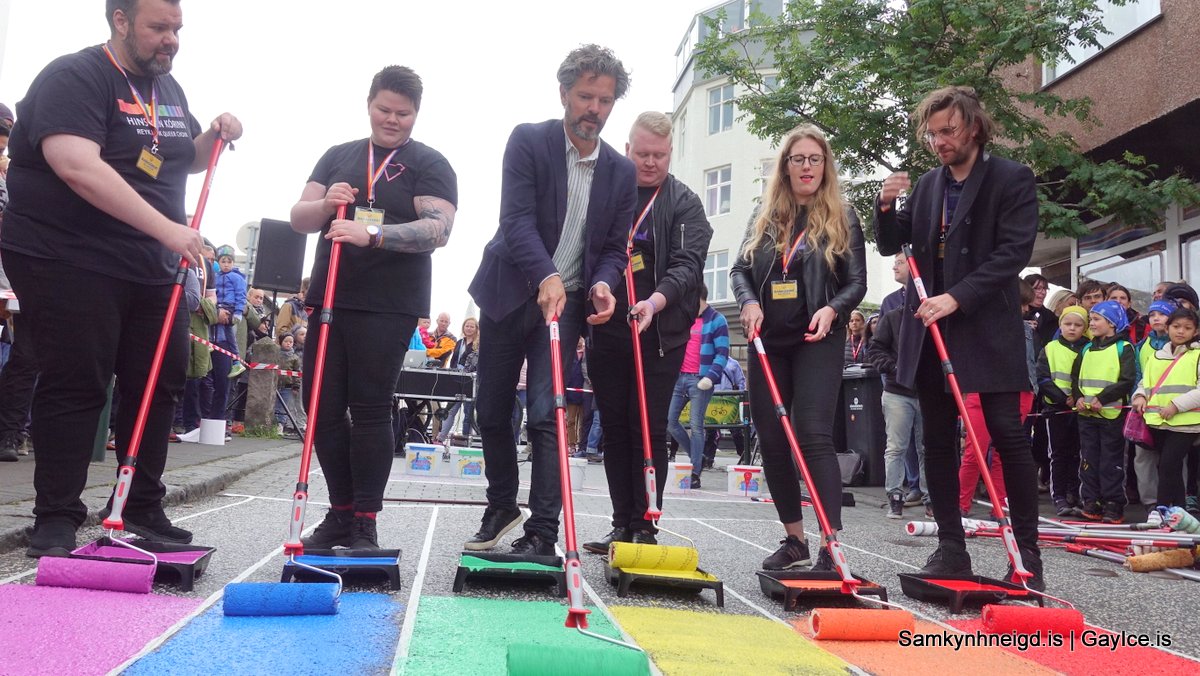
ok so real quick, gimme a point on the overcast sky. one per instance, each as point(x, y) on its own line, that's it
point(297, 74)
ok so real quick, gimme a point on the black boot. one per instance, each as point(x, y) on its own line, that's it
point(951, 558)
point(335, 531)
point(618, 534)
point(365, 535)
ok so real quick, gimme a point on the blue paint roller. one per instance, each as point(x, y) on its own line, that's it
point(298, 598)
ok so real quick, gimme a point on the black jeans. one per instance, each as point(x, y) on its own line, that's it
point(1063, 435)
point(1002, 413)
point(17, 381)
point(354, 439)
point(122, 321)
point(1173, 449)
point(808, 376)
point(611, 367)
point(1102, 460)
point(503, 345)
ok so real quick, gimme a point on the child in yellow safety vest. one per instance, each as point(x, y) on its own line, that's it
point(1102, 379)
point(1054, 387)
point(1145, 458)
point(1169, 398)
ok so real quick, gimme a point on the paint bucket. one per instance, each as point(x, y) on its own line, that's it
point(679, 477)
point(745, 480)
point(212, 432)
point(422, 459)
point(578, 472)
point(468, 463)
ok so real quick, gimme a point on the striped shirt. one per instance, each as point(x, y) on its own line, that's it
point(568, 257)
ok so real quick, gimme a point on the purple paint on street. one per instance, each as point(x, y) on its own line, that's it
point(52, 630)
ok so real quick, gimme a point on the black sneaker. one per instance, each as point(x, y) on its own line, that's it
point(157, 528)
point(335, 530)
point(824, 562)
point(496, 522)
point(532, 544)
point(9, 446)
point(695, 481)
point(618, 534)
point(1093, 511)
point(895, 505)
point(792, 552)
point(51, 538)
point(948, 560)
point(914, 498)
point(1113, 513)
point(365, 536)
point(1062, 509)
point(644, 537)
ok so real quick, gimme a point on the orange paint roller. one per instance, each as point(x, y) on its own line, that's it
point(858, 624)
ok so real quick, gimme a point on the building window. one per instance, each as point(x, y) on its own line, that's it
point(718, 186)
point(716, 276)
point(764, 176)
point(1138, 270)
point(1119, 20)
point(681, 127)
point(720, 109)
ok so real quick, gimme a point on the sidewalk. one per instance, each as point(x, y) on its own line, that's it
point(193, 471)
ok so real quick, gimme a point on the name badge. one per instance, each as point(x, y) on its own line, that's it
point(368, 216)
point(150, 162)
point(786, 289)
point(637, 261)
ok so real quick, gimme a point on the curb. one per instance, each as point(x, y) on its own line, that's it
point(217, 476)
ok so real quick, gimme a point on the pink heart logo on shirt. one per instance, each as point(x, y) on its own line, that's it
point(393, 170)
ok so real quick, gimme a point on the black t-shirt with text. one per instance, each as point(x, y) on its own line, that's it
point(374, 279)
point(83, 94)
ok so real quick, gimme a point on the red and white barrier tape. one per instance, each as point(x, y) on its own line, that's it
point(248, 365)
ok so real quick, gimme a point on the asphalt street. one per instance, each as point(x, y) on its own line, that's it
point(426, 519)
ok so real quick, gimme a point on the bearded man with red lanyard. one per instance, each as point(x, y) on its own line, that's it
point(93, 237)
point(667, 246)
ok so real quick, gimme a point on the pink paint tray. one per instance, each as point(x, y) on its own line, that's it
point(179, 565)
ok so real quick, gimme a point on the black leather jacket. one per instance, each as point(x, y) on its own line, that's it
point(842, 288)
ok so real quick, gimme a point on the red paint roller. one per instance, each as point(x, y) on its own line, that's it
point(859, 624)
point(1020, 575)
point(1029, 619)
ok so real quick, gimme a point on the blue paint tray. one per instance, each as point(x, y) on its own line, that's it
point(360, 566)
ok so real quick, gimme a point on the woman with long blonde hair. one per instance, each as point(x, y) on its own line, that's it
point(801, 272)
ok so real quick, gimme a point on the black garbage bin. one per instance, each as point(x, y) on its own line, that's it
point(862, 394)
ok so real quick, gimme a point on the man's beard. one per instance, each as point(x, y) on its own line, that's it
point(577, 128)
point(151, 66)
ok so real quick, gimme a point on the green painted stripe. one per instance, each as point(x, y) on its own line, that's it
point(475, 564)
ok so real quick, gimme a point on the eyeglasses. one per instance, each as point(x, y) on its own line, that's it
point(944, 132)
point(799, 160)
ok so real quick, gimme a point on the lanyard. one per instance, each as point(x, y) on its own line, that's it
point(945, 214)
point(855, 349)
point(638, 225)
point(373, 174)
point(150, 113)
point(789, 253)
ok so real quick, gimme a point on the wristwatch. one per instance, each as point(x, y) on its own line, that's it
point(373, 231)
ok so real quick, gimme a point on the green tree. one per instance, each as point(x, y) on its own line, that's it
point(857, 68)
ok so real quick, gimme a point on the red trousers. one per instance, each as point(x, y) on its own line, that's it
point(969, 469)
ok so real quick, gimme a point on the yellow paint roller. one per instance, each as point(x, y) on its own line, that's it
point(626, 555)
point(1174, 558)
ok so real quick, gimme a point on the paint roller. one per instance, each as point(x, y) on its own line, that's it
point(627, 555)
point(299, 598)
point(1179, 520)
point(1175, 558)
point(537, 660)
point(928, 528)
point(845, 624)
point(998, 619)
point(124, 574)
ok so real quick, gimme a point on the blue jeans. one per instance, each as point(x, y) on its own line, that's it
point(468, 409)
point(593, 440)
point(686, 390)
point(902, 420)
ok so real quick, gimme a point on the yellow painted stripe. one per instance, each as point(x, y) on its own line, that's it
point(692, 643)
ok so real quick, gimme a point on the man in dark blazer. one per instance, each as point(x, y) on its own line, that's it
point(566, 204)
point(971, 224)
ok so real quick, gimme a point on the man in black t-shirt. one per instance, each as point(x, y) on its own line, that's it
point(93, 237)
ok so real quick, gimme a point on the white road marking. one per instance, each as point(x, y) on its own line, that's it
point(414, 598)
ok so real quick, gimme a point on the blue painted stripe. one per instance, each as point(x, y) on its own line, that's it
point(347, 561)
point(360, 639)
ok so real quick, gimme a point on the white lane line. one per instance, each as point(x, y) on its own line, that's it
point(757, 608)
point(24, 574)
point(414, 598)
point(157, 642)
point(723, 532)
point(272, 499)
point(584, 492)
